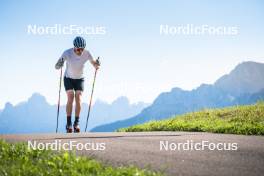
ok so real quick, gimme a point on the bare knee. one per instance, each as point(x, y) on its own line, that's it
point(78, 95)
point(70, 96)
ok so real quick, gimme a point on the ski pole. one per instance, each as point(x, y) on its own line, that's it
point(91, 96)
point(58, 109)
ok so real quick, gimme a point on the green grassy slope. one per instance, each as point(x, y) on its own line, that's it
point(17, 159)
point(248, 120)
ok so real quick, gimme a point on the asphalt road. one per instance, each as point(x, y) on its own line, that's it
point(240, 155)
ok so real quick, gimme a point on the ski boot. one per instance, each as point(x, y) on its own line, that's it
point(76, 127)
point(69, 128)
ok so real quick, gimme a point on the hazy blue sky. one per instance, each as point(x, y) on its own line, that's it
point(137, 61)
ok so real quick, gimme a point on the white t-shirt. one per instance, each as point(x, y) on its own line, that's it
point(75, 63)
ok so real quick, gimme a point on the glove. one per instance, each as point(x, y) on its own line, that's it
point(98, 62)
point(60, 63)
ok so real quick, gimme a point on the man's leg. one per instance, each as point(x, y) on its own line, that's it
point(70, 98)
point(78, 95)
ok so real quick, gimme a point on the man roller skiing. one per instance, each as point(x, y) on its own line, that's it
point(75, 58)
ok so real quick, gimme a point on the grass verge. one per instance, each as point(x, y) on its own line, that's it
point(246, 120)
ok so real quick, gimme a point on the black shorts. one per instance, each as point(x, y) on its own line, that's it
point(73, 84)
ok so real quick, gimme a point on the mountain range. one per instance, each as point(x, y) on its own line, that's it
point(36, 115)
point(243, 85)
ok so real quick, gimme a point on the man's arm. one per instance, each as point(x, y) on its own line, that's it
point(95, 63)
point(59, 63)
